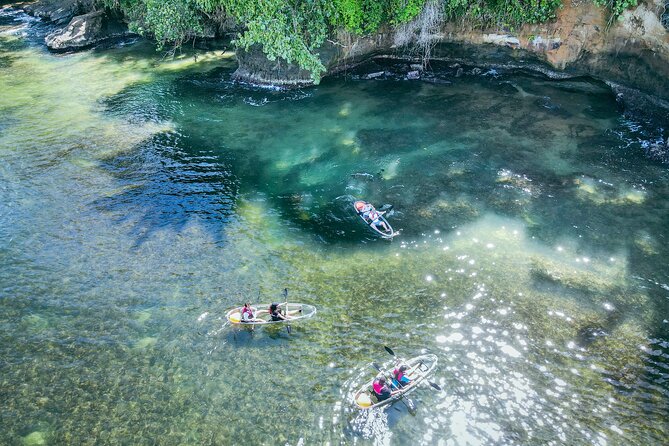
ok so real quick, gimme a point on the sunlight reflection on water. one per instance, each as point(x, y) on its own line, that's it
point(143, 197)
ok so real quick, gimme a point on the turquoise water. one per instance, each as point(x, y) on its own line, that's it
point(143, 197)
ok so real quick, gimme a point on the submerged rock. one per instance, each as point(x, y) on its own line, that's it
point(659, 150)
point(145, 342)
point(375, 75)
point(413, 75)
point(35, 439)
point(84, 31)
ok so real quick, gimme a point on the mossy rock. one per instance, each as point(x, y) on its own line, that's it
point(36, 438)
point(573, 278)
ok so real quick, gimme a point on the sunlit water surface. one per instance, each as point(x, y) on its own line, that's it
point(142, 196)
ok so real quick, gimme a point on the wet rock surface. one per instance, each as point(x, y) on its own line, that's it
point(59, 11)
point(85, 31)
point(256, 68)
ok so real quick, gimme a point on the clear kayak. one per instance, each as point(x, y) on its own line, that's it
point(295, 311)
point(420, 368)
point(389, 234)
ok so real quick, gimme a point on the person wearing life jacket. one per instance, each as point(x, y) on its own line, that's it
point(381, 388)
point(247, 314)
point(363, 207)
point(400, 379)
point(374, 218)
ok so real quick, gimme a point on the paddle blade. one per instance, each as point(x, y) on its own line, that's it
point(434, 385)
point(410, 405)
point(389, 350)
point(285, 292)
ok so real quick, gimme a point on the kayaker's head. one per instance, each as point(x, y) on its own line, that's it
point(274, 306)
point(403, 368)
point(381, 380)
point(359, 205)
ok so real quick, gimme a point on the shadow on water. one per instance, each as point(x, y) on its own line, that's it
point(433, 159)
point(165, 184)
point(120, 332)
point(521, 157)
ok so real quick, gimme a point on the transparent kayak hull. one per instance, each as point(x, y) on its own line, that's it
point(389, 234)
point(296, 311)
point(420, 367)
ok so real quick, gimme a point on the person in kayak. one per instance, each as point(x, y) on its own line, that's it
point(374, 218)
point(276, 315)
point(248, 315)
point(400, 379)
point(363, 208)
point(382, 389)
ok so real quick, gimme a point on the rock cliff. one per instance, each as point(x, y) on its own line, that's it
point(632, 51)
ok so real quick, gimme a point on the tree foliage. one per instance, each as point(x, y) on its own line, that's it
point(617, 7)
point(294, 30)
point(167, 21)
point(508, 13)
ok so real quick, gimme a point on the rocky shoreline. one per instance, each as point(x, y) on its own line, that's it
point(630, 54)
point(83, 26)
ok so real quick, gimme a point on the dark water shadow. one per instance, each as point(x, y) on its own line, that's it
point(166, 184)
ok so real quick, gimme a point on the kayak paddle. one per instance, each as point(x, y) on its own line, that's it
point(285, 296)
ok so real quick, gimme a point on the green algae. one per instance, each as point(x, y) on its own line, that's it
point(581, 279)
point(646, 243)
point(145, 343)
point(142, 316)
point(35, 439)
point(510, 316)
point(622, 349)
point(600, 193)
point(35, 323)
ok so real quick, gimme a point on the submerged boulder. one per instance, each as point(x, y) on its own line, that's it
point(84, 31)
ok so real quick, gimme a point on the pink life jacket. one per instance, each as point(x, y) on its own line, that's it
point(377, 386)
point(398, 374)
point(247, 310)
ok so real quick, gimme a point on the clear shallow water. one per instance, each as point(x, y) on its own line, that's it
point(143, 197)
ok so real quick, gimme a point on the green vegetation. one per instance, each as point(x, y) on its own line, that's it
point(507, 13)
point(167, 21)
point(295, 29)
point(616, 7)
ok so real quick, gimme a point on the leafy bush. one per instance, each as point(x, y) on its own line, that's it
point(167, 21)
point(503, 12)
point(617, 7)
